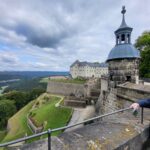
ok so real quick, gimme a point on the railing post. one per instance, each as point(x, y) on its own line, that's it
point(49, 139)
point(142, 109)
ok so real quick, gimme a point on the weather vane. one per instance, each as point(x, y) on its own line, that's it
point(123, 10)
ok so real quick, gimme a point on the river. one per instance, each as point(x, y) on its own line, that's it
point(2, 89)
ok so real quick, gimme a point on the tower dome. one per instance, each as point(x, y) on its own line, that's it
point(123, 47)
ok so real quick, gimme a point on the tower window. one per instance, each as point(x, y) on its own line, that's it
point(122, 37)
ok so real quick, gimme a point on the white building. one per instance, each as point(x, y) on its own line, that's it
point(88, 69)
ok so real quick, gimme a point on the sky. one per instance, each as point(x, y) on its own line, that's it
point(49, 35)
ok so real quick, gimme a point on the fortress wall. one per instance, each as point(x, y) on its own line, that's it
point(132, 93)
point(65, 88)
point(102, 100)
point(120, 97)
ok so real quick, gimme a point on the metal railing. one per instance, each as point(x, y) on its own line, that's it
point(49, 131)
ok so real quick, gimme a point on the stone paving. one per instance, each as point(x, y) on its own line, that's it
point(80, 114)
point(107, 134)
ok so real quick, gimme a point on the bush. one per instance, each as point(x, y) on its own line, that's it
point(46, 98)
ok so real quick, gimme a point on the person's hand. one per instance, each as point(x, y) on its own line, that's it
point(135, 106)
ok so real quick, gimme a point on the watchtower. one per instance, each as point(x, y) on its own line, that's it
point(123, 59)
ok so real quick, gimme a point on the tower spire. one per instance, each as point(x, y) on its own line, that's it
point(123, 24)
point(123, 33)
point(123, 10)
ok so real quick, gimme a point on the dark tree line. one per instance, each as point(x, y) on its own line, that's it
point(7, 109)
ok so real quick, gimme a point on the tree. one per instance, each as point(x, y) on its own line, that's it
point(7, 109)
point(143, 44)
point(36, 92)
point(20, 98)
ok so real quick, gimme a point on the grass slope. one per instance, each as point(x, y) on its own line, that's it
point(2, 135)
point(44, 112)
point(54, 116)
point(44, 80)
point(18, 124)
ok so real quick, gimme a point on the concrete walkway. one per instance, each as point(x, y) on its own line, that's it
point(124, 132)
point(81, 114)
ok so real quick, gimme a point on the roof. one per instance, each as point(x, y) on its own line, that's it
point(85, 63)
point(123, 51)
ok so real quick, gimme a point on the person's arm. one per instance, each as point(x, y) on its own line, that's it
point(141, 103)
point(135, 106)
point(144, 103)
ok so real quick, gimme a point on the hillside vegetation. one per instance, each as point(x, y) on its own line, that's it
point(44, 111)
point(18, 124)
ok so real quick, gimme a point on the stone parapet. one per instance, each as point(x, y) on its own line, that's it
point(33, 127)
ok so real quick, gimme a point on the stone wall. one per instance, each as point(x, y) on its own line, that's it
point(33, 127)
point(66, 88)
point(120, 97)
point(103, 95)
point(133, 92)
point(104, 83)
point(92, 84)
point(124, 70)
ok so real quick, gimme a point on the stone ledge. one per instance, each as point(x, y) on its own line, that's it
point(127, 97)
point(121, 133)
point(136, 87)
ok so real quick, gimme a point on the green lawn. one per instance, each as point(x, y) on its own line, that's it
point(54, 116)
point(77, 81)
point(45, 111)
point(18, 124)
point(44, 80)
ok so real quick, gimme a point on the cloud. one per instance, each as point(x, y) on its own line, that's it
point(50, 35)
point(7, 58)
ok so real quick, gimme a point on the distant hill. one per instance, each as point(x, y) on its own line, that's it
point(8, 75)
point(26, 75)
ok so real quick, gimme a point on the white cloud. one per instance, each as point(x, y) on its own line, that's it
point(50, 35)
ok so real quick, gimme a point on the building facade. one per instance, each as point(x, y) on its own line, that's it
point(123, 59)
point(88, 69)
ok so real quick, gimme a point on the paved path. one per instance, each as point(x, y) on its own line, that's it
point(124, 132)
point(80, 114)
